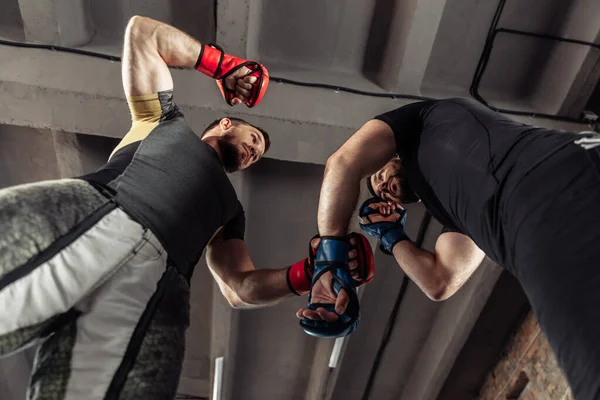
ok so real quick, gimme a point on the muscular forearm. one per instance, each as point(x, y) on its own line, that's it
point(422, 268)
point(240, 282)
point(363, 154)
point(339, 194)
point(261, 288)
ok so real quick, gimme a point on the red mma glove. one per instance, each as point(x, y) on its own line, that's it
point(214, 62)
point(299, 275)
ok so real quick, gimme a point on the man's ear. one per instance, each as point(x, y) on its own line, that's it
point(225, 124)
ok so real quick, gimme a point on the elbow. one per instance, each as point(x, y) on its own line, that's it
point(138, 29)
point(440, 291)
point(235, 302)
point(342, 161)
point(234, 299)
point(438, 295)
point(339, 159)
point(241, 298)
point(134, 25)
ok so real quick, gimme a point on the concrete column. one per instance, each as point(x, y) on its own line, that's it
point(449, 333)
point(232, 25)
point(57, 22)
point(68, 154)
point(197, 362)
point(319, 371)
point(224, 320)
point(224, 332)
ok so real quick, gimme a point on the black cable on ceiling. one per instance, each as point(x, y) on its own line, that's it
point(485, 54)
point(60, 49)
point(338, 88)
point(389, 328)
point(485, 57)
point(215, 15)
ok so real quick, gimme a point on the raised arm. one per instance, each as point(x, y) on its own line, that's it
point(364, 153)
point(149, 48)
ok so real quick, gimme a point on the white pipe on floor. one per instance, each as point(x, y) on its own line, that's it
point(218, 381)
point(336, 352)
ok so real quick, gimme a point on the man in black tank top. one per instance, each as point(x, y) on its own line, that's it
point(103, 261)
point(527, 197)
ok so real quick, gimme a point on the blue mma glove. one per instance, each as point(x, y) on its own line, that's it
point(332, 256)
point(387, 233)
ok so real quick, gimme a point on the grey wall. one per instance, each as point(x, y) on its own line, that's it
point(94, 151)
point(26, 155)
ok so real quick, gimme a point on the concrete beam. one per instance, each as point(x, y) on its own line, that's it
point(62, 22)
point(454, 322)
point(569, 78)
point(419, 45)
point(84, 95)
point(585, 81)
point(583, 85)
point(398, 16)
point(319, 371)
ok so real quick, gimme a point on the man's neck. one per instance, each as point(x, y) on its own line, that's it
point(213, 142)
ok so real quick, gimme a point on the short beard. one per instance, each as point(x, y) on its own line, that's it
point(230, 155)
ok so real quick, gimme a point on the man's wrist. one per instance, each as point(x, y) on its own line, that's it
point(391, 238)
point(333, 249)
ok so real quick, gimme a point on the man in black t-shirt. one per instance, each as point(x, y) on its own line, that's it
point(527, 197)
point(98, 267)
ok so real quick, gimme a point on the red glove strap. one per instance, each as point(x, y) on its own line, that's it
point(299, 277)
point(208, 61)
point(365, 259)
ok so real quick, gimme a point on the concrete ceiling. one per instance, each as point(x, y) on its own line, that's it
point(61, 113)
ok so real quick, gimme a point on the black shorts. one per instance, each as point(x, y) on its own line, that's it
point(553, 228)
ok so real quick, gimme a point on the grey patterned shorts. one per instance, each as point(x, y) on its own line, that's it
point(94, 288)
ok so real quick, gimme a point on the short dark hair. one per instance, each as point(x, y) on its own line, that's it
point(240, 121)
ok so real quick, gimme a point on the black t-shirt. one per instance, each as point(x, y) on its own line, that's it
point(462, 159)
point(173, 183)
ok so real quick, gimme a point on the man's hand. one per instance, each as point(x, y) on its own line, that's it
point(385, 213)
point(299, 274)
point(322, 292)
point(241, 83)
point(237, 78)
point(388, 229)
